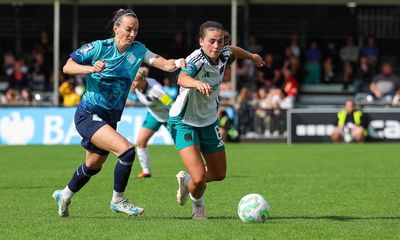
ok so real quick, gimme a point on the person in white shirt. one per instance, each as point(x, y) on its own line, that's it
point(193, 122)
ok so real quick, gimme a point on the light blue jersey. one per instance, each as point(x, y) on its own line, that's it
point(107, 91)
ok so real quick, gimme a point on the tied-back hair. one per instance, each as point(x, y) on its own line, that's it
point(210, 25)
point(118, 15)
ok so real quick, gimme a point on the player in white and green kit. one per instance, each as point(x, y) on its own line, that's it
point(193, 122)
point(151, 94)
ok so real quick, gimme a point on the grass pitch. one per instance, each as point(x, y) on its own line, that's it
point(316, 191)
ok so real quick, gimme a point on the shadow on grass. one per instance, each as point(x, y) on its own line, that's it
point(335, 218)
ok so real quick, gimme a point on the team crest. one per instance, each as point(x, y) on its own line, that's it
point(188, 137)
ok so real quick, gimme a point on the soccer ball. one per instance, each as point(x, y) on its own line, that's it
point(253, 208)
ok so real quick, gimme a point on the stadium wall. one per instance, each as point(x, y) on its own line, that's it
point(22, 126)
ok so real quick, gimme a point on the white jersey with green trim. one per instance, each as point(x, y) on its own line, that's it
point(154, 98)
point(195, 108)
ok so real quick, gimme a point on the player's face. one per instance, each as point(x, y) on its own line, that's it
point(127, 30)
point(212, 43)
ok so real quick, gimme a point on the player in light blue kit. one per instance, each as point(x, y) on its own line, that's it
point(111, 66)
point(150, 93)
point(193, 122)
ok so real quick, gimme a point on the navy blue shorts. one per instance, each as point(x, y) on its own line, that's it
point(87, 125)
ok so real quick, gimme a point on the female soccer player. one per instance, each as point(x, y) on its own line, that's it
point(110, 65)
point(193, 117)
point(152, 95)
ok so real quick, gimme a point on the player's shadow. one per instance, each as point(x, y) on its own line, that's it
point(335, 218)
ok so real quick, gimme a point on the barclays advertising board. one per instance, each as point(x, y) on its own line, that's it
point(21, 126)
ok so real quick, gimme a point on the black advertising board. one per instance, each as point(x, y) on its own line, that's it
point(316, 125)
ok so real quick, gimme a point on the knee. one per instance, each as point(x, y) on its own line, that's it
point(141, 143)
point(128, 156)
point(199, 180)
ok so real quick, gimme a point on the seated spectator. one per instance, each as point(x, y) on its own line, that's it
point(10, 97)
point(39, 73)
point(67, 91)
point(269, 74)
point(371, 52)
point(385, 84)
point(363, 75)
point(350, 52)
point(18, 75)
point(350, 124)
point(26, 96)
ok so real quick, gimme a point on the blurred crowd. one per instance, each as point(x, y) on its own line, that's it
point(258, 103)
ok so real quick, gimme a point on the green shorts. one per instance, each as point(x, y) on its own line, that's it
point(151, 123)
point(184, 135)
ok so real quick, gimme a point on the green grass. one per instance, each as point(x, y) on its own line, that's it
point(316, 191)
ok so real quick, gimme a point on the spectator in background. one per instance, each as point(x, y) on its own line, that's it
point(350, 124)
point(363, 75)
point(348, 75)
point(172, 91)
point(290, 85)
point(294, 46)
point(8, 62)
point(262, 118)
point(385, 84)
point(10, 97)
point(26, 96)
point(18, 75)
point(371, 51)
point(313, 66)
point(68, 93)
point(245, 110)
point(39, 73)
point(269, 75)
point(350, 52)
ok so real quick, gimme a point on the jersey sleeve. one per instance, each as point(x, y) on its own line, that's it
point(194, 62)
point(85, 54)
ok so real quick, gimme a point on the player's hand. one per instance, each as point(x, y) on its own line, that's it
point(180, 63)
point(204, 88)
point(99, 66)
point(258, 61)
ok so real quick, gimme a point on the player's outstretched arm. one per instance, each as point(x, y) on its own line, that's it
point(73, 68)
point(185, 80)
point(241, 53)
point(168, 65)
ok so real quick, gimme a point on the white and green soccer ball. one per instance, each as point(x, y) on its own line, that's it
point(253, 208)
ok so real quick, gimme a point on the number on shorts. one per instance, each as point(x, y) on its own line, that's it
point(217, 132)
